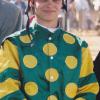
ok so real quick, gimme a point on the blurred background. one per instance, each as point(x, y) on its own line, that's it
point(82, 19)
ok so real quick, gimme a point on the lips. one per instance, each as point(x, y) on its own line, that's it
point(49, 11)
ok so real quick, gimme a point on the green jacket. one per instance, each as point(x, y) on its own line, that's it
point(41, 65)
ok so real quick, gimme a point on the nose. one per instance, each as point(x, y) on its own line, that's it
point(54, 1)
point(50, 1)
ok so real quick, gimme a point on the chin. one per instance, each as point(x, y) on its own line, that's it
point(49, 19)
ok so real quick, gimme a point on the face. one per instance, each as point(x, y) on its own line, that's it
point(47, 10)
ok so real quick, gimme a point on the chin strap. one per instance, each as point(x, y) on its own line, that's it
point(64, 5)
point(28, 21)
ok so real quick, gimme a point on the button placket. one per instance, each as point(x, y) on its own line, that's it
point(50, 38)
point(51, 59)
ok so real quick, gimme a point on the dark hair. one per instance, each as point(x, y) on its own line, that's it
point(64, 6)
point(28, 21)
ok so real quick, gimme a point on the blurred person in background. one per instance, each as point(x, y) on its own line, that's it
point(83, 14)
point(10, 1)
point(10, 19)
point(44, 62)
point(72, 22)
point(96, 4)
point(22, 6)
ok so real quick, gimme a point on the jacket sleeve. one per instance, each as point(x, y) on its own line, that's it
point(88, 86)
point(10, 80)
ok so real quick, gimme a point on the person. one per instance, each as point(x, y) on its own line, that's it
point(72, 22)
point(10, 19)
point(97, 71)
point(44, 62)
point(21, 5)
point(83, 14)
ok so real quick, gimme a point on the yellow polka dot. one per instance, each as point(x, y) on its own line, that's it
point(80, 99)
point(52, 97)
point(25, 38)
point(51, 75)
point(30, 61)
point(68, 39)
point(50, 49)
point(31, 88)
point(24, 99)
point(71, 62)
point(71, 90)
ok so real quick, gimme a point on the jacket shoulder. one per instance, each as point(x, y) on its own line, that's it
point(78, 41)
point(15, 37)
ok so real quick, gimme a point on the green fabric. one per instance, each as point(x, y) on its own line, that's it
point(56, 61)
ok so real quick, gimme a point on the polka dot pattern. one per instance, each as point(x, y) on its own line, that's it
point(80, 98)
point(71, 62)
point(30, 61)
point(24, 99)
point(71, 90)
point(52, 74)
point(31, 88)
point(25, 38)
point(68, 39)
point(52, 97)
point(50, 49)
point(50, 66)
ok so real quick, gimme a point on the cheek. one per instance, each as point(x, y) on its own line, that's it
point(37, 7)
point(59, 6)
